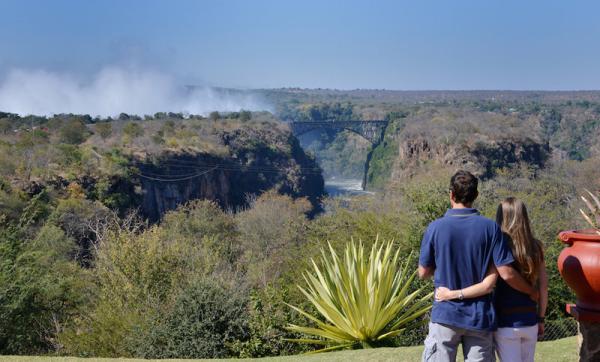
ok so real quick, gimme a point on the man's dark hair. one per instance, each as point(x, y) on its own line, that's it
point(464, 187)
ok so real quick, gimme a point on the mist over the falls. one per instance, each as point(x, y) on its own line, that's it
point(113, 90)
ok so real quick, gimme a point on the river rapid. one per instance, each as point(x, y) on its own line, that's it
point(344, 187)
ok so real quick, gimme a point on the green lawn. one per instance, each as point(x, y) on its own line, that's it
point(559, 350)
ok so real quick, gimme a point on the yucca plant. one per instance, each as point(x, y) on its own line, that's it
point(593, 218)
point(363, 299)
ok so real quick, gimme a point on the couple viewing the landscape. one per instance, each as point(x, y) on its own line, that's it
point(490, 281)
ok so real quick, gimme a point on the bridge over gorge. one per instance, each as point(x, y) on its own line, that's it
point(371, 130)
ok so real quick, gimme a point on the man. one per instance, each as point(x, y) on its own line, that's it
point(457, 250)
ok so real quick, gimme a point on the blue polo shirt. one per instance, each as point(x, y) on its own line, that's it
point(460, 246)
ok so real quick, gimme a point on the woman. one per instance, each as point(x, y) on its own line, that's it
point(520, 319)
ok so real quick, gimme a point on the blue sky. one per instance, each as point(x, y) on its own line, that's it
point(419, 44)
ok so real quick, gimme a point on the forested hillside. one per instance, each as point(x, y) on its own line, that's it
point(156, 163)
point(486, 138)
point(104, 250)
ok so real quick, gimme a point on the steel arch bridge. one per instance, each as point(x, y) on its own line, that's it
point(371, 130)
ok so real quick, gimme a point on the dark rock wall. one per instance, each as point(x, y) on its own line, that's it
point(175, 179)
point(483, 158)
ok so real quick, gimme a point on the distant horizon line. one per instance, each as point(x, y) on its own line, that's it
point(392, 90)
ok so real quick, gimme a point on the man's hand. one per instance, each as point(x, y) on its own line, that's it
point(425, 272)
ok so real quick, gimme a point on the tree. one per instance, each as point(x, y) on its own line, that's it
point(74, 216)
point(5, 125)
point(133, 129)
point(245, 116)
point(40, 288)
point(168, 128)
point(104, 129)
point(271, 228)
point(202, 222)
point(214, 116)
point(73, 132)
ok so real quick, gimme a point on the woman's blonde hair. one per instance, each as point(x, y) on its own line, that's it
point(527, 251)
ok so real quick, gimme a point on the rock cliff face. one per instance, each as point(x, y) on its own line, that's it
point(253, 167)
point(452, 139)
point(481, 157)
point(174, 162)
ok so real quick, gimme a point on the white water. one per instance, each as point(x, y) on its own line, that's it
point(344, 187)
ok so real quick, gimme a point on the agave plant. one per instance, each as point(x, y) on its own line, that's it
point(593, 218)
point(362, 299)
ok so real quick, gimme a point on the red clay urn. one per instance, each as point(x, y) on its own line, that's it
point(579, 265)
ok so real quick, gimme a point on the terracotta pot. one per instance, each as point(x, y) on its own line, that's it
point(579, 265)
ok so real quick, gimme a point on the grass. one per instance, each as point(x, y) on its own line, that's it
point(562, 350)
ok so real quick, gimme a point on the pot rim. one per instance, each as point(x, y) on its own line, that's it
point(570, 236)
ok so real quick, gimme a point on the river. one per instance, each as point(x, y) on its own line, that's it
point(344, 187)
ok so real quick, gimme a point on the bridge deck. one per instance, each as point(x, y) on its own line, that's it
point(372, 130)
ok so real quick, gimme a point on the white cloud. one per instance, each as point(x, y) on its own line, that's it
point(114, 90)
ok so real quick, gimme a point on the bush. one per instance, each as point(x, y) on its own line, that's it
point(75, 216)
point(140, 277)
point(204, 322)
point(136, 276)
point(270, 231)
point(245, 116)
point(203, 224)
point(104, 129)
point(69, 155)
point(73, 132)
point(133, 130)
point(268, 315)
point(40, 288)
point(5, 126)
point(214, 116)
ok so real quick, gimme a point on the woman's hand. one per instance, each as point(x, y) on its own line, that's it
point(443, 294)
point(540, 330)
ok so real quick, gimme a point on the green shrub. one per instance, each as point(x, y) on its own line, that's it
point(139, 278)
point(5, 125)
point(104, 129)
point(136, 276)
point(133, 130)
point(211, 231)
point(205, 320)
point(425, 198)
point(268, 315)
point(40, 289)
point(214, 116)
point(73, 132)
point(245, 116)
point(270, 231)
point(69, 155)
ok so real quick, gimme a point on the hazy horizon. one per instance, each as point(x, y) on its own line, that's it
point(69, 54)
point(144, 91)
point(399, 45)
